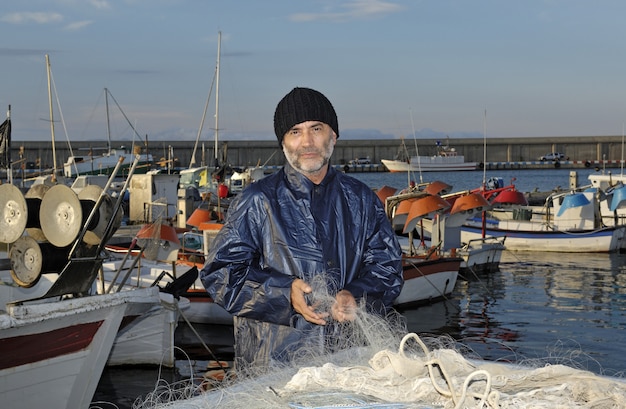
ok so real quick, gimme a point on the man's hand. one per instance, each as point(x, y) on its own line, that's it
point(344, 307)
point(298, 289)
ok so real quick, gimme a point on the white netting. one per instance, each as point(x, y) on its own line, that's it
point(381, 366)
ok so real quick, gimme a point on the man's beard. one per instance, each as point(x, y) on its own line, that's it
point(308, 166)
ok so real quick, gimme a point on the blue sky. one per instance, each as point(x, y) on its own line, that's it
point(538, 68)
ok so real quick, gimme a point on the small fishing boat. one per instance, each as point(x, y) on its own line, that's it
point(60, 346)
point(480, 255)
point(429, 275)
point(569, 222)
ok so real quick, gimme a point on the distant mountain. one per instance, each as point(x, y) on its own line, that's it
point(183, 134)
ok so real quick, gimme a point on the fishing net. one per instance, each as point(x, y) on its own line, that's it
point(381, 366)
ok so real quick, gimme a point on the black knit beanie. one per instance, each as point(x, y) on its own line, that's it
point(301, 105)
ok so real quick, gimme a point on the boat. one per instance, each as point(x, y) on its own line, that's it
point(429, 275)
point(56, 350)
point(185, 252)
point(569, 222)
point(59, 333)
point(55, 237)
point(427, 279)
point(103, 164)
point(481, 254)
point(211, 181)
point(446, 159)
point(606, 180)
point(149, 338)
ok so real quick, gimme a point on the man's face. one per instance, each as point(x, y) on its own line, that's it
point(308, 147)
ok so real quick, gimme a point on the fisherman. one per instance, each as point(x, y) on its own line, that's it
point(286, 233)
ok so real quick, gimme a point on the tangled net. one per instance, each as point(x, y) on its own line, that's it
point(381, 366)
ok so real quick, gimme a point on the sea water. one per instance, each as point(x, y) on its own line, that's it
point(547, 307)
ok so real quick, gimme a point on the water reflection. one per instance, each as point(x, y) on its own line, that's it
point(556, 307)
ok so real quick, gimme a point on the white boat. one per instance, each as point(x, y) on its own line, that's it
point(239, 180)
point(429, 275)
point(446, 159)
point(606, 181)
point(427, 279)
point(199, 308)
point(55, 350)
point(147, 337)
point(573, 225)
point(102, 164)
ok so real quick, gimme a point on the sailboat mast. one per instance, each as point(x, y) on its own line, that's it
point(54, 154)
point(485, 148)
point(106, 104)
point(217, 95)
point(417, 152)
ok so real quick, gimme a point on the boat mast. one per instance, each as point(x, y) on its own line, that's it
point(217, 95)
point(106, 104)
point(54, 154)
point(195, 146)
point(484, 149)
point(621, 162)
point(417, 152)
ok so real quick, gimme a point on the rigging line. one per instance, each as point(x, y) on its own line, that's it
point(268, 159)
point(125, 117)
point(193, 329)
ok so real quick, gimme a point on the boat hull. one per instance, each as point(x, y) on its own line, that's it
point(427, 281)
point(58, 350)
point(147, 338)
point(104, 165)
point(482, 255)
point(605, 240)
point(428, 166)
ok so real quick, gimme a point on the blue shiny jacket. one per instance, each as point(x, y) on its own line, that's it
point(284, 227)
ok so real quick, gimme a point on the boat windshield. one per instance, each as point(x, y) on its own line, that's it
point(196, 177)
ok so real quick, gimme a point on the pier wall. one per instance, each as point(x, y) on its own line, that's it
point(500, 152)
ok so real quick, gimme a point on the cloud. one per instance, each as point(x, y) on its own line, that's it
point(355, 9)
point(78, 25)
point(100, 4)
point(28, 17)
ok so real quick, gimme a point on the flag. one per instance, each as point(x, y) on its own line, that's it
point(5, 143)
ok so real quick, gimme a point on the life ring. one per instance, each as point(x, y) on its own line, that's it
point(481, 165)
point(346, 168)
point(587, 164)
point(557, 164)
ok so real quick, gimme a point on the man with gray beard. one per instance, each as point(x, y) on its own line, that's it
point(298, 238)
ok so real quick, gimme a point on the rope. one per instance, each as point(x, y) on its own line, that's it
point(486, 398)
point(219, 363)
